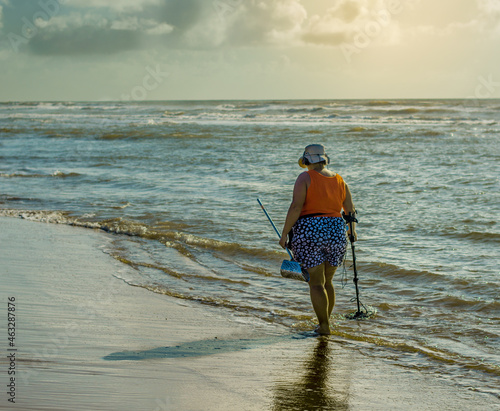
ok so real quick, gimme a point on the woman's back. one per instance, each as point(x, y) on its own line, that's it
point(325, 194)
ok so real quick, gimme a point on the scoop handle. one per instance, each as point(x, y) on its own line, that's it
point(272, 223)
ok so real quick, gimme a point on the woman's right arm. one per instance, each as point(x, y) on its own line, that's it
point(299, 197)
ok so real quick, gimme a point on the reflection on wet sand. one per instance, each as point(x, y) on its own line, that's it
point(323, 385)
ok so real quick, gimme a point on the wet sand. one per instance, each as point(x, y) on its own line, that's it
point(87, 340)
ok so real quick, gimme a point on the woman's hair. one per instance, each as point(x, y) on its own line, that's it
point(306, 162)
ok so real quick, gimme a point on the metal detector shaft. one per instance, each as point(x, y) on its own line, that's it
point(355, 280)
point(350, 219)
point(272, 223)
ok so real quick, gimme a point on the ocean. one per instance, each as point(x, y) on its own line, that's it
point(177, 184)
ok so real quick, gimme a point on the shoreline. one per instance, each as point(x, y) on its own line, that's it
point(87, 340)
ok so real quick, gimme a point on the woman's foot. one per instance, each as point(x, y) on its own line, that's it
point(323, 329)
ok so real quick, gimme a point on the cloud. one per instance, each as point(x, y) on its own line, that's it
point(489, 12)
point(159, 29)
point(72, 27)
point(85, 27)
point(77, 34)
point(84, 40)
point(101, 27)
point(117, 5)
point(263, 23)
point(468, 23)
point(347, 18)
point(489, 6)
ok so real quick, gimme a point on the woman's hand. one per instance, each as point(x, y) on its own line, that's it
point(283, 241)
point(352, 238)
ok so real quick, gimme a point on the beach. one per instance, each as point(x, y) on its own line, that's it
point(140, 143)
point(85, 339)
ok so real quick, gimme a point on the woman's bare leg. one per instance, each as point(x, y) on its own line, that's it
point(330, 290)
point(319, 297)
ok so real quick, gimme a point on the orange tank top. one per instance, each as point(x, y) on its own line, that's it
point(325, 195)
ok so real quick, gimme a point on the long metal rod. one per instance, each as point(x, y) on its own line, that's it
point(272, 223)
point(355, 279)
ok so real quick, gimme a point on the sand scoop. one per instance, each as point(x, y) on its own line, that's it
point(289, 268)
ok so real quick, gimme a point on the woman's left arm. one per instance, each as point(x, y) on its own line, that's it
point(348, 207)
point(299, 197)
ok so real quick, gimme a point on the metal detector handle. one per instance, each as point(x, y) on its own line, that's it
point(272, 223)
point(349, 219)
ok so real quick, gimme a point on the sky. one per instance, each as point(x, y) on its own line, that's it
point(97, 50)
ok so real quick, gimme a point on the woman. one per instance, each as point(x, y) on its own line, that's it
point(319, 231)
